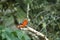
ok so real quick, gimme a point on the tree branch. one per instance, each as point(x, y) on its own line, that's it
point(36, 32)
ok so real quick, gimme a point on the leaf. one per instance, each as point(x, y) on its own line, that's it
point(44, 25)
point(22, 35)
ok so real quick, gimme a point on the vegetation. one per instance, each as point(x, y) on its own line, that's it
point(44, 17)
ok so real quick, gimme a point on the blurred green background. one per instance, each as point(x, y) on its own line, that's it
point(44, 17)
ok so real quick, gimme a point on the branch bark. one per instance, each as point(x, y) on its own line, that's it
point(36, 32)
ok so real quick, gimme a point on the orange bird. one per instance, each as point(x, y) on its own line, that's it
point(23, 24)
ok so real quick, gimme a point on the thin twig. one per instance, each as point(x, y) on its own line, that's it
point(28, 12)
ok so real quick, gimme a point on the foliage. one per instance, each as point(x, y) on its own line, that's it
point(44, 16)
point(9, 34)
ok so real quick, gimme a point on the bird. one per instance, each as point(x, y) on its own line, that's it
point(23, 24)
